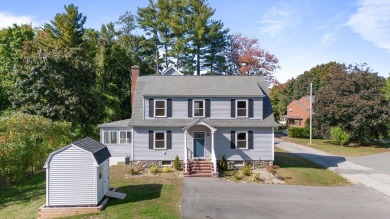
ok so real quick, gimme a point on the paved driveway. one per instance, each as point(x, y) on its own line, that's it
point(369, 170)
point(214, 198)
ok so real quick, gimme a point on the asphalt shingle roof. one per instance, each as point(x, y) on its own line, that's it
point(205, 86)
point(99, 151)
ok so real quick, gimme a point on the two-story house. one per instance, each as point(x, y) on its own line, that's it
point(197, 118)
point(298, 112)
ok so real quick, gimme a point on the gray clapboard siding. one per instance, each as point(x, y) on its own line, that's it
point(141, 145)
point(262, 145)
point(69, 168)
point(219, 108)
point(116, 150)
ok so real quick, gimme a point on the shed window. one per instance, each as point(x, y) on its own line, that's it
point(125, 137)
point(242, 108)
point(159, 140)
point(100, 172)
point(199, 108)
point(110, 137)
point(242, 140)
point(160, 108)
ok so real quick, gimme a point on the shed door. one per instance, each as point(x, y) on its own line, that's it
point(106, 179)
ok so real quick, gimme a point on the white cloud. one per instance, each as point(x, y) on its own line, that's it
point(276, 20)
point(7, 20)
point(372, 22)
point(327, 40)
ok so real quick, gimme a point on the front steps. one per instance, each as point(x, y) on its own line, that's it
point(200, 168)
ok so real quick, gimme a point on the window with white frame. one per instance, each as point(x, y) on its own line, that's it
point(242, 108)
point(166, 163)
point(199, 108)
point(125, 137)
point(159, 140)
point(160, 108)
point(110, 137)
point(242, 140)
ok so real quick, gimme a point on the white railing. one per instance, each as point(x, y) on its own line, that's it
point(213, 157)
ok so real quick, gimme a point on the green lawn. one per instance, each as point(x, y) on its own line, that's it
point(147, 197)
point(352, 150)
point(297, 170)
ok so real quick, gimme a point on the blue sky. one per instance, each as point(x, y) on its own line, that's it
point(301, 33)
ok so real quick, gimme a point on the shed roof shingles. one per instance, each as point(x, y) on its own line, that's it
point(99, 151)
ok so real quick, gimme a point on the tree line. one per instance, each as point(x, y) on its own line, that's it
point(351, 97)
point(66, 75)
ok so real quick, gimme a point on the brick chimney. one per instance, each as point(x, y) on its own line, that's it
point(134, 77)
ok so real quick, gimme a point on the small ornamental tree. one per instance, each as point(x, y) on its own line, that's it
point(176, 163)
point(223, 164)
point(339, 135)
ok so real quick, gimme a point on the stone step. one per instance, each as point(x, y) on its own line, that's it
point(200, 175)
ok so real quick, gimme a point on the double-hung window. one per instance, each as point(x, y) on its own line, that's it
point(242, 140)
point(110, 137)
point(125, 137)
point(242, 108)
point(199, 108)
point(159, 140)
point(160, 108)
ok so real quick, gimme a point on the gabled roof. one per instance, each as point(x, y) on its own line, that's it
point(202, 86)
point(98, 150)
point(199, 122)
point(120, 123)
point(171, 71)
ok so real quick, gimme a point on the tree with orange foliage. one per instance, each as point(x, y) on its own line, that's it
point(246, 57)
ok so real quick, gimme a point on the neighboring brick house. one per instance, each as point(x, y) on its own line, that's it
point(298, 112)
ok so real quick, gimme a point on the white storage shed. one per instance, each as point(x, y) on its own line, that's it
point(77, 174)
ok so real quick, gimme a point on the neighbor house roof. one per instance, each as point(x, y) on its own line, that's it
point(201, 86)
point(98, 150)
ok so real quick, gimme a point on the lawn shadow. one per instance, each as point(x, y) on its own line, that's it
point(25, 191)
point(304, 160)
point(136, 193)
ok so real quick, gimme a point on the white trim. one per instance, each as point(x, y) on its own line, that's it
point(132, 144)
point(241, 100)
point(166, 165)
point(171, 67)
point(273, 144)
point(126, 138)
point(110, 143)
point(165, 108)
point(204, 143)
point(204, 108)
point(246, 139)
point(165, 140)
point(199, 122)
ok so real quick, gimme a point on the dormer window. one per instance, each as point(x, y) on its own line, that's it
point(198, 108)
point(160, 108)
point(242, 108)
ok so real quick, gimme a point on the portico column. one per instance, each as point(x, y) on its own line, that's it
point(185, 151)
point(213, 152)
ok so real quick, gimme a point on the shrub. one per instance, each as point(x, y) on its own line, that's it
point(246, 170)
point(255, 177)
point(297, 132)
point(237, 175)
point(166, 169)
point(133, 171)
point(176, 163)
point(338, 135)
point(154, 169)
point(223, 165)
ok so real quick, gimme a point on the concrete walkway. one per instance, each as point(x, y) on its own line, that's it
point(354, 169)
